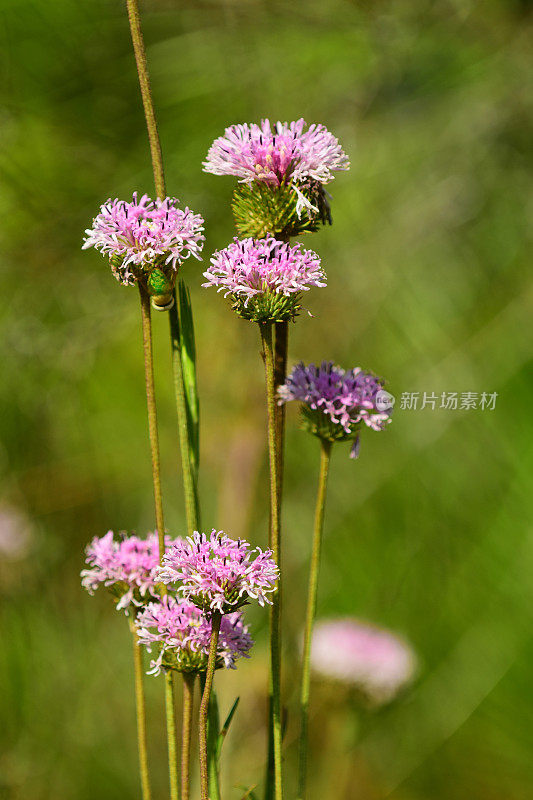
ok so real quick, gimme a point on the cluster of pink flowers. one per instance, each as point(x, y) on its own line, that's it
point(126, 566)
point(218, 573)
point(145, 233)
point(272, 153)
point(181, 633)
point(375, 660)
point(347, 397)
point(253, 267)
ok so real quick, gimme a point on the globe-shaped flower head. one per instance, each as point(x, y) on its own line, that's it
point(218, 573)
point(264, 278)
point(126, 566)
point(375, 661)
point(336, 402)
point(282, 168)
point(146, 241)
point(180, 633)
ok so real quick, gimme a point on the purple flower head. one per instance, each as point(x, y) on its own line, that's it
point(275, 153)
point(336, 401)
point(145, 234)
point(264, 277)
point(217, 573)
point(374, 660)
point(181, 634)
point(126, 566)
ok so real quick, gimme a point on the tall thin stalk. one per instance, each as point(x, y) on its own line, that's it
point(275, 531)
point(188, 702)
point(171, 735)
point(204, 705)
point(146, 323)
point(146, 93)
point(140, 706)
point(312, 591)
point(159, 181)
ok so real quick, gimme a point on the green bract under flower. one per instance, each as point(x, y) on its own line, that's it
point(261, 209)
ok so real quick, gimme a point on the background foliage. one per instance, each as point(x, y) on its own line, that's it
point(428, 285)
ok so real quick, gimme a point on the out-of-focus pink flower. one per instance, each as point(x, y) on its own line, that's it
point(376, 661)
point(16, 533)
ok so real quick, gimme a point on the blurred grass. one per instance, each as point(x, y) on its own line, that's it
point(427, 260)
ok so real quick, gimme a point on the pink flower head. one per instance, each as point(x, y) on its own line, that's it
point(260, 273)
point(275, 153)
point(375, 660)
point(181, 634)
point(126, 566)
point(347, 398)
point(217, 573)
point(143, 234)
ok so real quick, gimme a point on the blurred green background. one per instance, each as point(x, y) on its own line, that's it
point(428, 533)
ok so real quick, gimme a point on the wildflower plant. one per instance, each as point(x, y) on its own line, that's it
point(282, 169)
point(125, 566)
point(264, 278)
point(336, 403)
point(146, 241)
point(180, 633)
point(218, 573)
point(185, 597)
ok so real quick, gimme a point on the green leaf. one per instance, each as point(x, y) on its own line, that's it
point(225, 727)
point(188, 360)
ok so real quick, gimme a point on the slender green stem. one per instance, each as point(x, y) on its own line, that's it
point(146, 93)
point(171, 735)
point(188, 702)
point(152, 414)
point(310, 616)
point(190, 486)
point(140, 706)
point(204, 705)
point(274, 543)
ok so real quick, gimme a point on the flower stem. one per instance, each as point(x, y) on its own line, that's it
point(204, 705)
point(274, 543)
point(325, 454)
point(146, 93)
point(171, 735)
point(190, 486)
point(140, 707)
point(152, 414)
point(188, 700)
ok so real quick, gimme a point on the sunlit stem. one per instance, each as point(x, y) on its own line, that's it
point(188, 702)
point(312, 591)
point(274, 543)
point(171, 735)
point(140, 707)
point(204, 705)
